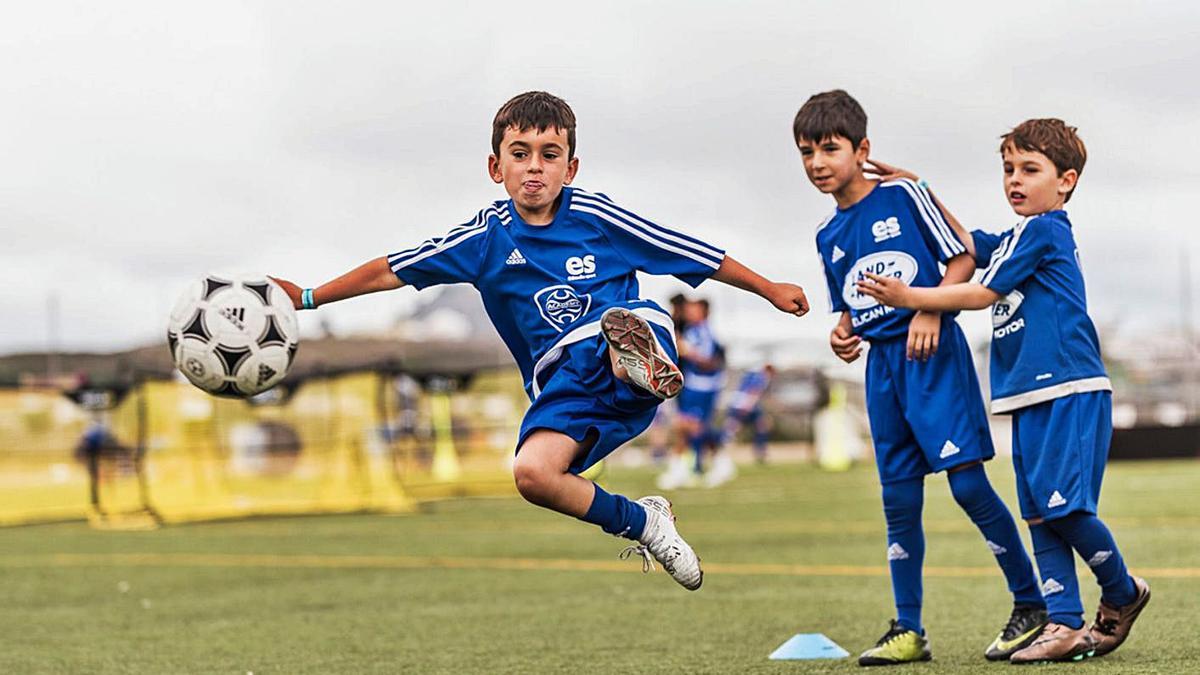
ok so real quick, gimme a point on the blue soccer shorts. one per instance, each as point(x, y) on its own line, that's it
point(580, 397)
point(1060, 449)
point(926, 416)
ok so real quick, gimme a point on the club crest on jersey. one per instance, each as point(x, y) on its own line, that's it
point(896, 264)
point(560, 305)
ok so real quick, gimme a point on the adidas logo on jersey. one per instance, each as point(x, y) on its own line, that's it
point(1050, 587)
point(897, 552)
point(995, 548)
point(949, 449)
point(1099, 558)
point(838, 254)
point(515, 258)
point(1056, 500)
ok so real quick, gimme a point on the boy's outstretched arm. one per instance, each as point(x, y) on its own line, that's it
point(369, 277)
point(895, 293)
point(786, 297)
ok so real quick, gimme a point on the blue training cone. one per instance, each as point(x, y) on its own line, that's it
point(809, 646)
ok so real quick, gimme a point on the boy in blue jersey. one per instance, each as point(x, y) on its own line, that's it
point(556, 268)
point(1047, 373)
point(702, 361)
point(746, 409)
point(923, 399)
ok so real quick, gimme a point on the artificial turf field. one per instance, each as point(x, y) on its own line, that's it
point(498, 586)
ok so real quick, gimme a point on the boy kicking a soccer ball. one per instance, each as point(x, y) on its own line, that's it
point(1047, 373)
point(556, 268)
point(923, 399)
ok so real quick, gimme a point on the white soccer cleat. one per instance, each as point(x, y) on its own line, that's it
point(637, 350)
point(661, 541)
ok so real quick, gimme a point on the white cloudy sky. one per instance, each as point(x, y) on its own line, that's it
point(145, 143)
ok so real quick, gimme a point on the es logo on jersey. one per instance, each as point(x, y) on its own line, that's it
point(561, 305)
point(896, 264)
point(1003, 312)
point(579, 268)
point(886, 229)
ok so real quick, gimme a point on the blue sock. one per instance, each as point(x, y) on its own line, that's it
point(902, 504)
point(1059, 583)
point(698, 451)
point(975, 495)
point(616, 514)
point(1088, 535)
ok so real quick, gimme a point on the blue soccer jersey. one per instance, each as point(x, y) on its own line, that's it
point(702, 345)
point(545, 286)
point(1044, 345)
point(896, 230)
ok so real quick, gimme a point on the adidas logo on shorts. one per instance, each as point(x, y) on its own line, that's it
point(949, 449)
point(1056, 500)
point(897, 552)
point(1051, 587)
point(1099, 558)
point(515, 258)
point(995, 548)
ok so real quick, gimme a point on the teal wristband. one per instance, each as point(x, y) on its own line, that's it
point(923, 184)
point(306, 299)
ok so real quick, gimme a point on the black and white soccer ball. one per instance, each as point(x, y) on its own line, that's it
point(233, 335)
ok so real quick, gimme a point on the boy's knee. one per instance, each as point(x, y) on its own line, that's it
point(533, 478)
point(904, 499)
point(970, 486)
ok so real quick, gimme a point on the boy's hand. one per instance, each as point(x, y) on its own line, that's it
point(923, 332)
point(889, 291)
point(788, 298)
point(845, 345)
point(887, 171)
point(294, 292)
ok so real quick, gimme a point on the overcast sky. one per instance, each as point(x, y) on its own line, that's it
point(147, 143)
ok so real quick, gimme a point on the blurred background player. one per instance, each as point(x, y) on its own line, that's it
point(702, 361)
point(745, 409)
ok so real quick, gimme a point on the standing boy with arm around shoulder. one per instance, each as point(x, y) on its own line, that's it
point(1047, 373)
point(556, 268)
point(923, 399)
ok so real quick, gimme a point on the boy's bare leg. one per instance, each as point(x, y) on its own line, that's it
point(541, 472)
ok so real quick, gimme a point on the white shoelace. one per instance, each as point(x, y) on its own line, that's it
point(638, 549)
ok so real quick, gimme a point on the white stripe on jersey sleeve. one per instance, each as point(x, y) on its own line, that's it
point(939, 218)
point(947, 242)
point(1003, 253)
point(454, 237)
point(654, 232)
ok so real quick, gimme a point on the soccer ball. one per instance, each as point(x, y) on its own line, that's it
point(233, 335)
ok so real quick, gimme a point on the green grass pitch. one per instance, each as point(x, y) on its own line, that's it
point(498, 586)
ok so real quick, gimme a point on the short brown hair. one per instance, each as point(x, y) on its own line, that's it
point(829, 114)
point(1052, 137)
point(534, 110)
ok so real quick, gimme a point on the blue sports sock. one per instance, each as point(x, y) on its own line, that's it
point(975, 495)
point(616, 514)
point(1059, 583)
point(902, 504)
point(1091, 539)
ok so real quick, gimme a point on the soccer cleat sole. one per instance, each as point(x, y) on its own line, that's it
point(633, 339)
